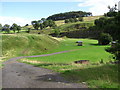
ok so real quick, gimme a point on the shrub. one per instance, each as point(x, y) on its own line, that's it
point(66, 20)
point(80, 19)
point(104, 39)
point(57, 32)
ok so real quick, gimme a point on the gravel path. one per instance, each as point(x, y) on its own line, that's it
point(21, 75)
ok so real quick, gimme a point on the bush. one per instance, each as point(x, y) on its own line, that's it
point(66, 20)
point(115, 50)
point(104, 39)
point(57, 32)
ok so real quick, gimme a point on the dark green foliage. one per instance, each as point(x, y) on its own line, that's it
point(115, 50)
point(27, 25)
point(111, 14)
point(75, 19)
point(68, 15)
point(67, 21)
point(18, 28)
point(112, 11)
point(14, 27)
point(35, 24)
point(1, 27)
point(41, 26)
point(104, 39)
point(29, 30)
point(71, 20)
point(80, 19)
point(51, 23)
point(6, 27)
point(43, 23)
point(57, 32)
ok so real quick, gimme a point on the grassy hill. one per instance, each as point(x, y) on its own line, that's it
point(26, 44)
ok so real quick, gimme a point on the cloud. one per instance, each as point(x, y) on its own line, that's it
point(97, 7)
point(17, 20)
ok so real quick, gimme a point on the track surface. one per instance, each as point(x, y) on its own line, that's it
point(21, 75)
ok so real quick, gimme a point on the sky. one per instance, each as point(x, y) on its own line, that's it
point(24, 11)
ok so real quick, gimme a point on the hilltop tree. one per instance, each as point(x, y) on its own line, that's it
point(41, 26)
point(68, 15)
point(51, 23)
point(43, 19)
point(46, 23)
point(35, 24)
point(6, 27)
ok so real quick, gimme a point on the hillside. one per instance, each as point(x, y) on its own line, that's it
point(26, 44)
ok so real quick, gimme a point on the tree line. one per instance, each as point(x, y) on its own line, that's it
point(7, 28)
point(43, 23)
point(68, 15)
point(71, 20)
point(109, 27)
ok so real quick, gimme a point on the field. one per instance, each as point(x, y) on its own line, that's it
point(98, 73)
point(95, 74)
point(89, 51)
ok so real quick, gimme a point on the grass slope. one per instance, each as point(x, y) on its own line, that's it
point(26, 44)
point(89, 51)
point(94, 74)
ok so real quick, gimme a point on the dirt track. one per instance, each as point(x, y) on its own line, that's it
point(21, 75)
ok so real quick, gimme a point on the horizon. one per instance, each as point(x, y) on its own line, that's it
point(23, 13)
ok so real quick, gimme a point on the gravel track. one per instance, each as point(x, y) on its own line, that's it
point(21, 75)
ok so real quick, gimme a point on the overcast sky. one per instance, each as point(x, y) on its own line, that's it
point(25, 11)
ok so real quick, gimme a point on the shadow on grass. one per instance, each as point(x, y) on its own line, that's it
point(97, 45)
point(106, 72)
point(49, 64)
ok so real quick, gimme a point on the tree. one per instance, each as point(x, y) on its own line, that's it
point(46, 23)
point(51, 23)
point(6, 27)
point(14, 27)
point(35, 24)
point(104, 39)
point(19, 28)
point(57, 32)
point(112, 11)
point(1, 27)
point(66, 20)
point(27, 25)
point(68, 15)
point(71, 20)
point(41, 26)
point(43, 19)
point(116, 31)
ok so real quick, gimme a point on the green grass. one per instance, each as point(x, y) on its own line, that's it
point(89, 51)
point(94, 74)
point(26, 44)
